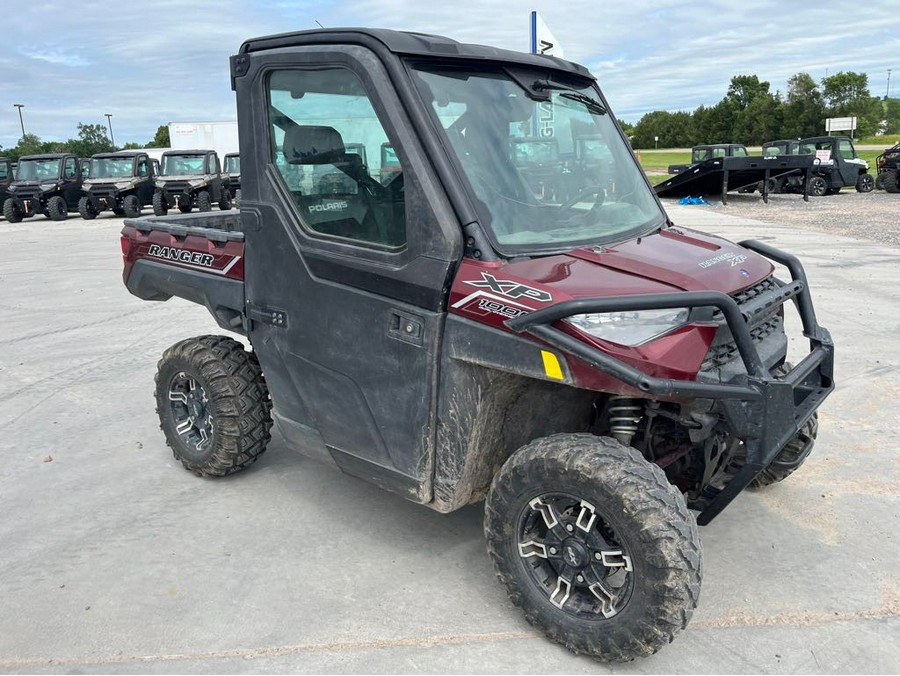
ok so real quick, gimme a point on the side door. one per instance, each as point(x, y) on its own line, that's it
point(144, 171)
point(346, 274)
point(72, 177)
point(849, 170)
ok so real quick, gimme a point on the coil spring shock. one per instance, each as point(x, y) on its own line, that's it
point(625, 414)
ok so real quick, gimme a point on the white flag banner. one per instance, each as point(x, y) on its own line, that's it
point(542, 40)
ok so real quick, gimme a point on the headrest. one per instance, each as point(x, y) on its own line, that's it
point(308, 144)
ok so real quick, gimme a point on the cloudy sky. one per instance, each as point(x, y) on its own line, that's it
point(151, 63)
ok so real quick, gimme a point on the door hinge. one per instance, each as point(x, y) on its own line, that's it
point(267, 315)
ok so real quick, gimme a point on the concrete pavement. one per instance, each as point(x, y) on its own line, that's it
point(114, 559)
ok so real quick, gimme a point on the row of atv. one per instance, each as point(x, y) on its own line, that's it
point(125, 182)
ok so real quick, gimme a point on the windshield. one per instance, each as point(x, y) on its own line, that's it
point(111, 167)
point(232, 164)
point(546, 175)
point(38, 170)
point(183, 165)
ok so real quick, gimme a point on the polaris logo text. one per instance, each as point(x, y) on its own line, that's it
point(328, 206)
point(181, 255)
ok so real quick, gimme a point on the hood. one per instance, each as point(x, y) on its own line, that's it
point(104, 181)
point(194, 177)
point(667, 261)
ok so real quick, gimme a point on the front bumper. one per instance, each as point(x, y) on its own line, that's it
point(762, 410)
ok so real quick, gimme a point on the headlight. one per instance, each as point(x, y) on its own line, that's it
point(49, 185)
point(160, 184)
point(198, 183)
point(123, 186)
point(12, 188)
point(630, 328)
point(87, 186)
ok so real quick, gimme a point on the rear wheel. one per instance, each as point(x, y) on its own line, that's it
point(890, 180)
point(203, 201)
point(12, 212)
point(225, 202)
point(879, 182)
point(131, 206)
point(213, 405)
point(57, 209)
point(865, 183)
point(594, 545)
point(160, 206)
point(87, 209)
point(818, 186)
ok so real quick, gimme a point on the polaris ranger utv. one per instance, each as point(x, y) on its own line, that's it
point(121, 182)
point(45, 184)
point(233, 170)
point(188, 179)
point(589, 369)
point(837, 166)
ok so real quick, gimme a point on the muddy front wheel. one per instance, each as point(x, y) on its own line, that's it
point(213, 405)
point(595, 546)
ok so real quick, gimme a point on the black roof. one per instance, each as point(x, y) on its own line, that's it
point(120, 153)
point(187, 152)
point(813, 139)
point(719, 145)
point(418, 44)
point(46, 156)
point(232, 154)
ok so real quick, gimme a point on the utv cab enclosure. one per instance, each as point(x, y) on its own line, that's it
point(47, 184)
point(188, 179)
point(836, 166)
point(122, 182)
point(232, 168)
point(444, 331)
point(702, 153)
point(888, 165)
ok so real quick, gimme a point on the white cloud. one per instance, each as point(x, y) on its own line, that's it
point(153, 63)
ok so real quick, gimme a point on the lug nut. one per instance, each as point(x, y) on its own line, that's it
point(553, 550)
point(598, 556)
point(580, 578)
point(569, 528)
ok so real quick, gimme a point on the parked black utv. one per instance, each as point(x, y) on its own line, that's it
point(188, 179)
point(121, 182)
point(837, 166)
point(233, 169)
point(45, 184)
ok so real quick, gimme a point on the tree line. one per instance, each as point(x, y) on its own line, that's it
point(92, 139)
point(751, 114)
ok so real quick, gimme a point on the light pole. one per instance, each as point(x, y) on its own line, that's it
point(887, 94)
point(112, 139)
point(21, 121)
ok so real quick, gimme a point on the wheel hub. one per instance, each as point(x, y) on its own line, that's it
point(190, 410)
point(574, 553)
point(574, 556)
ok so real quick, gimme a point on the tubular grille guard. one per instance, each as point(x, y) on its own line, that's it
point(763, 411)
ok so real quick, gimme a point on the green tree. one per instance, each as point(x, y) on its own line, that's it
point(161, 139)
point(132, 146)
point(847, 95)
point(30, 144)
point(92, 139)
point(743, 89)
point(892, 116)
point(803, 110)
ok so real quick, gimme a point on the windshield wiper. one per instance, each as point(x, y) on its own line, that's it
point(572, 94)
point(594, 106)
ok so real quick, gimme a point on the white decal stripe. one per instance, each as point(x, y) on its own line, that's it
point(181, 264)
point(485, 294)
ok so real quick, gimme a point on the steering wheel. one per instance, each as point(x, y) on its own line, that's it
point(571, 203)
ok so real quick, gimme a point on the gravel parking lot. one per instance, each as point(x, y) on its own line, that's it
point(115, 560)
point(874, 216)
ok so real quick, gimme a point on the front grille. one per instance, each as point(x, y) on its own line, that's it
point(27, 193)
point(103, 190)
point(723, 349)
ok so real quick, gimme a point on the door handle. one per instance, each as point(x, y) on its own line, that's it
point(406, 327)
